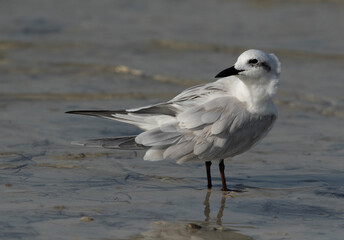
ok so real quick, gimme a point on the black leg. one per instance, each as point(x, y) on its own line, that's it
point(223, 178)
point(207, 167)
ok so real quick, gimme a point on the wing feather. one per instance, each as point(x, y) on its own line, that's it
point(179, 150)
point(146, 117)
point(211, 116)
point(154, 154)
point(202, 147)
point(156, 137)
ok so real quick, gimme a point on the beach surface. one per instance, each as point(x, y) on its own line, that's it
point(57, 56)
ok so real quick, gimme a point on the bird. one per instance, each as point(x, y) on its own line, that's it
point(204, 123)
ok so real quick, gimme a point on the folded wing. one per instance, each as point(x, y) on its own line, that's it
point(201, 123)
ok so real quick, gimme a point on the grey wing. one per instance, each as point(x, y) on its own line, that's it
point(216, 129)
point(147, 117)
point(197, 94)
point(192, 126)
point(155, 110)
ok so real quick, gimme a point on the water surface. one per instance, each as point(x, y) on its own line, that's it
point(57, 56)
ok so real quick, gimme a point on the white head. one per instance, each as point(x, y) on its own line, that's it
point(258, 64)
point(258, 72)
point(254, 64)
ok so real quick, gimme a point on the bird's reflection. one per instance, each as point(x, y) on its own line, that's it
point(200, 230)
point(207, 209)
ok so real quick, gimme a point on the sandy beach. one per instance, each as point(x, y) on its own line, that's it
point(58, 56)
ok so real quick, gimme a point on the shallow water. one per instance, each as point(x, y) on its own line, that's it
point(57, 56)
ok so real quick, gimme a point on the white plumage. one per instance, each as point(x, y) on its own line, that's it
point(208, 122)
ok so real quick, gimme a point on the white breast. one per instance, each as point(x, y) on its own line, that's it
point(258, 97)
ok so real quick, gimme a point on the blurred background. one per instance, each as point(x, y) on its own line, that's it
point(57, 56)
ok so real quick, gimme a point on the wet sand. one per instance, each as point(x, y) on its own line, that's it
point(57, 56)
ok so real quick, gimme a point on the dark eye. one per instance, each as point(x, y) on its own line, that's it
point(253, 61)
